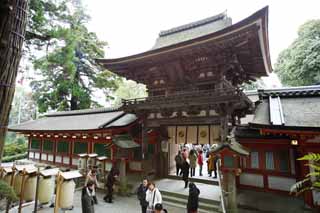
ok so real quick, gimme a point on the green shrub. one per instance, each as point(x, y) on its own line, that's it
point(7, 192)
point(14, 157)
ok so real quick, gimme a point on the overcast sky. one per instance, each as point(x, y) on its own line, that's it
point(131, 27)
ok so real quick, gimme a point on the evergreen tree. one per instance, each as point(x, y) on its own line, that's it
point(299, 64)
point(68, 75)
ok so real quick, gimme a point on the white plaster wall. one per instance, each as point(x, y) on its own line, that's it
point(251, 180)
point(58, 159)
point(37, 156)
point(135, 166)
point(280, 183)
point(31, 154)
point(75, 161)
point(50, 157)
point(66, 160)
point(44, 156)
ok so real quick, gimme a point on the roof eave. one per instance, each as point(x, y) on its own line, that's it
point(260, 17)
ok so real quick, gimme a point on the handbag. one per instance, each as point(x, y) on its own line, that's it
point(151, 210)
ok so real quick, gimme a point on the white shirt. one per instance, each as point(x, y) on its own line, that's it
point(153, 197)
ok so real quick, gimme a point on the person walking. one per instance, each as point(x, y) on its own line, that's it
point(185, 173)
point(193, 198)
point(210, 163)
point(111, 179)
point(87, 201)
point(92, 177)
point(200, 162)
point(178, 159)
point(153, 197)
point(141, 194)
point(215, 160)
point(193, 162)
point(185, 154)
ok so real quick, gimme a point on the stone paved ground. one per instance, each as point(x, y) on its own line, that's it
point(206, 190)
point(120, 205)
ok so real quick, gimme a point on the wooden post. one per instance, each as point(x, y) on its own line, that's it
point(13, 19)
point(24, 174)
point(58, 188)
point(11, 184)
point(37, 192)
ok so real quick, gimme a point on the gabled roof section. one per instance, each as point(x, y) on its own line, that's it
point(80, 120)
point(192, 30)
point(288, 108)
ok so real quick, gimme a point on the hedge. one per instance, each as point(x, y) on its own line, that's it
point(15, 157)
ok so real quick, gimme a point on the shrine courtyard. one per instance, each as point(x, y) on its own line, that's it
point(249, 201)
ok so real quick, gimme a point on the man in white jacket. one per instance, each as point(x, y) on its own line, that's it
point(153, 196)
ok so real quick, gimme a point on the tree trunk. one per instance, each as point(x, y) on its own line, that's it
point(13, 18)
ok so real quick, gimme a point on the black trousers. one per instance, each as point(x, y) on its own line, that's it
point(200, 171)
point(215, 173)
point(108, 197)
point(144, 209)
point(192, 172)
point(186, 183)
point(178, 169)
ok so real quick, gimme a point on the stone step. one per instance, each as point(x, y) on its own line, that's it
point(185, 197)
point(196, 180)
point(203, 207)
point(168, 203)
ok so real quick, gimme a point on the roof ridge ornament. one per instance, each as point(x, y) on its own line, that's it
point(191, 25)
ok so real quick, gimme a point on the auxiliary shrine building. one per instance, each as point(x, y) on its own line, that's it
point(193, 74)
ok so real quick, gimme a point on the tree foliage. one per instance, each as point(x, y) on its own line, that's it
point(129, 89)
point(312, 179)
point(7, 192)
point(299, 64)
point(68, 75)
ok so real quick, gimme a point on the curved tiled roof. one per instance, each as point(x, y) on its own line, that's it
point(89, 119)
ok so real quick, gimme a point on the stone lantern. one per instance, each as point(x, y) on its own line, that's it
point(230, 153)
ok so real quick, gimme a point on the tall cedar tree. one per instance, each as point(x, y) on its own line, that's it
point(299, 64)
point(68, 75)
point(13, 21)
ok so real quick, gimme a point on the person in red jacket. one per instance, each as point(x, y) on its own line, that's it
point(200, 161)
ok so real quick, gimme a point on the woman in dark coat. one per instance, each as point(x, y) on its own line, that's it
point(141, 194)
point(193, 199)
point(87, 201)
point(185, 173)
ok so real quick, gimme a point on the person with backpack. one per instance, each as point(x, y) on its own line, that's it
point(141, 194)
point(153, 197)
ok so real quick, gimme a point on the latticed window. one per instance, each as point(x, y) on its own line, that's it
point(63, 147)
point(283, 161)
point(48, 146)
point(35, 143)
point(101, 150)
point(80, 147)
point(254, 156)
point(269, 161)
